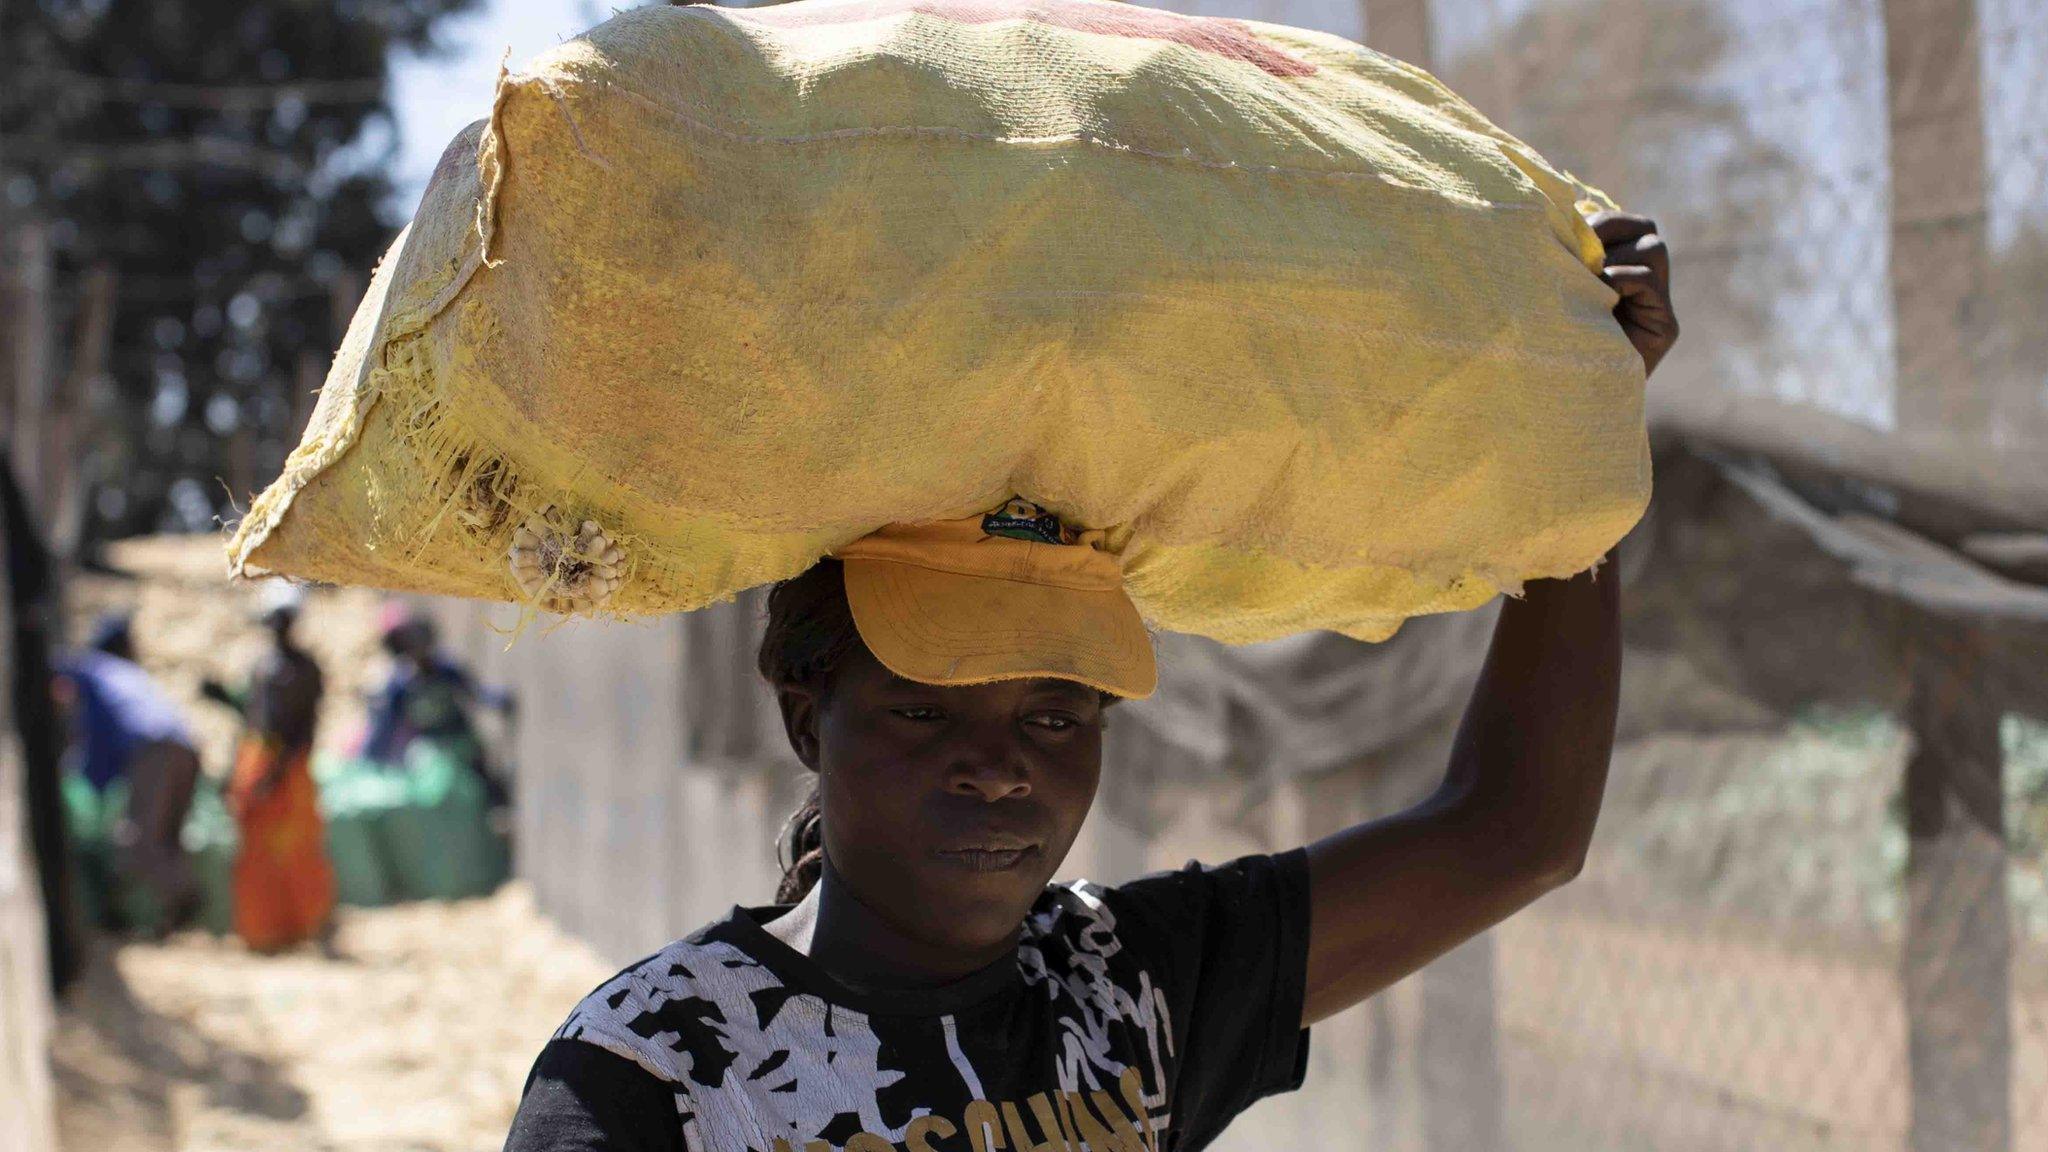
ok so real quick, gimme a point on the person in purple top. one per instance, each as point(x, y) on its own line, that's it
point(428, 696)
point(125, 727)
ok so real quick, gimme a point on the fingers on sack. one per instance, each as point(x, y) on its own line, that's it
point(1619, 227)
point(1646, 251)
point(1633, 240)
point(1643, 296)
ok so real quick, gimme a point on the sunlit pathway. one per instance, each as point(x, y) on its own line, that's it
point(414, 1034)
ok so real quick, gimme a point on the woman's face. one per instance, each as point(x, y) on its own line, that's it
point(948, 808)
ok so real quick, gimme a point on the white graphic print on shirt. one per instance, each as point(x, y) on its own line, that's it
point(758, 1066)
point(1096, 1000)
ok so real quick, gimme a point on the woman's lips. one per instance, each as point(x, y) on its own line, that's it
point(987, 859)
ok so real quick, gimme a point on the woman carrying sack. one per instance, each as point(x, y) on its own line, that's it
point(921, 985)
point(1014, 328)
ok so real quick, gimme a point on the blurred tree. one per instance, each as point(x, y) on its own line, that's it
point(211, 173)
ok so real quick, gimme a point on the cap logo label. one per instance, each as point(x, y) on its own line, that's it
point(1023, 520)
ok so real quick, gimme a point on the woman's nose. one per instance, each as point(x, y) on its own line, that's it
point(990, 770)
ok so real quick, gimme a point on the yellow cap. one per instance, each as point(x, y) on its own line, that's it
point(1010, 595)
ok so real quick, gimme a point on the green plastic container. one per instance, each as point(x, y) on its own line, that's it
point(90, 847)
point(416, 831)
point(441, 841)
point(420, 831)
point(357, 798)
point(112, 900)
point(210, 837)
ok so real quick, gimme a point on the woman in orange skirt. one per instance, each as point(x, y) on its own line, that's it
point(284, 885)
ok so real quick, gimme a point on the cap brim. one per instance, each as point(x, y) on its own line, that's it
point(947, 628)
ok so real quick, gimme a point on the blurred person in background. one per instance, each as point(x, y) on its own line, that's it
point(428, 696)
point(125, 727)
point(284, 885)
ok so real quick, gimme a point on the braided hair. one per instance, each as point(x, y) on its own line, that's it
point(810, 630)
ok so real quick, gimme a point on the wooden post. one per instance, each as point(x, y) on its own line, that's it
point(241, 477)
point(1400, 28)
point(1955, 969)
point(344, 292)
point(92, 334)
point(1955, 965)
point(305, 392)
point(25, 328)
point(1939, 255)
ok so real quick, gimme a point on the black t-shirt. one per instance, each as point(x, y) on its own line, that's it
point(1140, 1018)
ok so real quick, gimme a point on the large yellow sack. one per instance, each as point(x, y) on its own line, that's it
point(1318, 345)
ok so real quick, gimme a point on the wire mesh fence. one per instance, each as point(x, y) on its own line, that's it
point(1729, 972)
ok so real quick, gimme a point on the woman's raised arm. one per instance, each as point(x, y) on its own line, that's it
point(1515, 813)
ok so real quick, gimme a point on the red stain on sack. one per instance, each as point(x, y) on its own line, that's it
point(1227, 38)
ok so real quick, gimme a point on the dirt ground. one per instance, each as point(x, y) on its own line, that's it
point(412, 1032)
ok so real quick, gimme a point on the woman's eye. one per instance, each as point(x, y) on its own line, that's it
point(1057, 723)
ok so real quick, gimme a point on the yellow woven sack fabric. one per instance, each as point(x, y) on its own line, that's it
point(714, 291)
